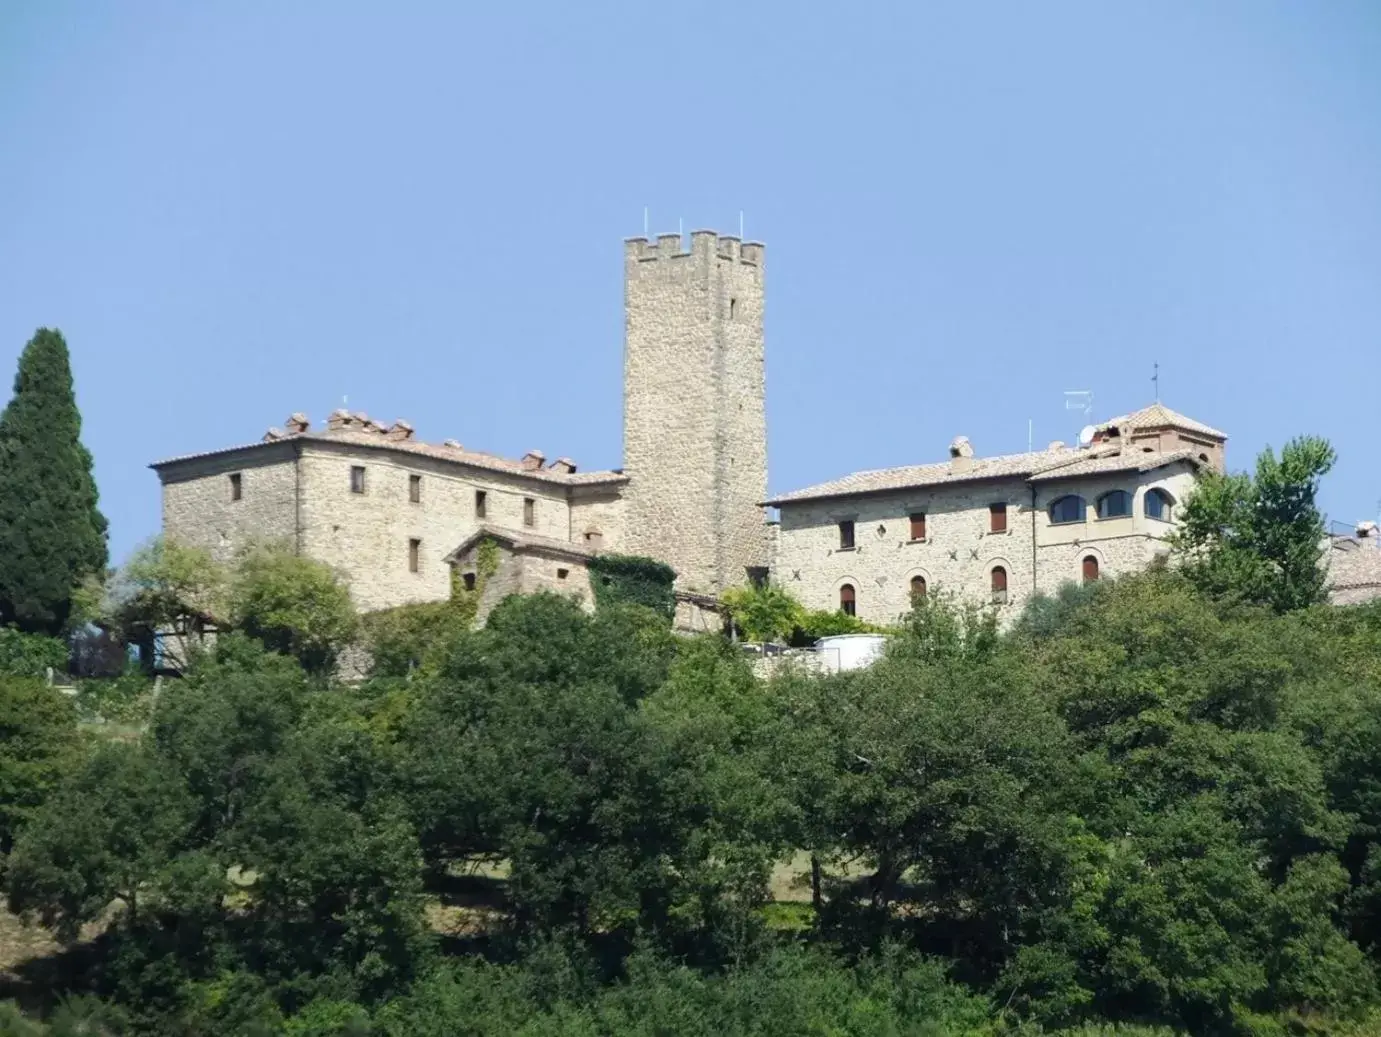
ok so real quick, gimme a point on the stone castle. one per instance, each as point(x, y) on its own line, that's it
point(401, 518)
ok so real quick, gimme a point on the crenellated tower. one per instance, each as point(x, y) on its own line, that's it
point(694, 419)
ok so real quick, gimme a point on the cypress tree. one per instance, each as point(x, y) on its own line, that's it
point(52, 535)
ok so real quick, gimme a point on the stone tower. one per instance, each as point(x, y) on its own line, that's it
point(694, 423)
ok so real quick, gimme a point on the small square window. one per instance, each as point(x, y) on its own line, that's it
point(846, 534)
point(414, 556)
point(481, 503)
point(561, 574)
point(918, 525)
point(415, 489)
point(997, 518)
point(356, 479)
point(529, 511)
point(236, 487)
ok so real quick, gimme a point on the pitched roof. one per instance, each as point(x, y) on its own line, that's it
point(1158, 415)
point(1043, 465)
point(457, 455)
point(521, 541)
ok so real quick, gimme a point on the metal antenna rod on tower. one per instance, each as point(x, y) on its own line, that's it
point(740, 225)
point(1155, 379)
point(645, 226)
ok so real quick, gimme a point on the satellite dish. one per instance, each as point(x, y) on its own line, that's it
point(1086, 435)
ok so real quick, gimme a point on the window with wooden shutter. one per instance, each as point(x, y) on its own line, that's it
point(918, 525)
point(415, 489)
point(848, 601)
point(997, 518)
point(481, 504)
point(529, 511)
point(414, 556)
point(999, 585)
point(846, 534)
point(918, 587)
point(1090, 568)
point(356, 479)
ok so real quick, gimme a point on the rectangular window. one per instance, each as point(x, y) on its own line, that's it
point(469, 579)
point(561, 574)
point(846, 534)
point(415, 489)
point(529, 511)
point(481, 503)
point(356, 479)
point(997, 518)
point(414, 556)
point(236, 488)
point(918, 525)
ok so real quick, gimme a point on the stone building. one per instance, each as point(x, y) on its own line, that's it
point(400, 518)
point(395, 515)
point(992, 529)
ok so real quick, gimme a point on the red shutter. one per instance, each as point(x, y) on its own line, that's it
point(918, 526)
point(847, 604)
point(997, 518)
point(918, 587)
point(1090, 568)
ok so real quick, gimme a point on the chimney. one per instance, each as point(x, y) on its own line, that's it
point(339, 420)
point(1368, 536)
point(367, 424)
point(1056, 444)
point(960, 455)
point(399, 431)
point(454, 444)
point(533, 460)
point(273, 434)
point(564, 465)
point(297, 424)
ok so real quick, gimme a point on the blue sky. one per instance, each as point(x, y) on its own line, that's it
point(235, 211)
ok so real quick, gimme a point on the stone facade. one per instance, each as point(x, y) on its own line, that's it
point(960, 548)
point(525, 564)
point(1354, 566)
point(695, 427)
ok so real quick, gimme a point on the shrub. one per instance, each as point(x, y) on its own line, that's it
point(30, 655)
point(633, 580)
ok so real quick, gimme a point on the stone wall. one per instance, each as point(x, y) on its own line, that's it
point(198, 509)
point(695, 431)
point(366, 536)
point(959, 551)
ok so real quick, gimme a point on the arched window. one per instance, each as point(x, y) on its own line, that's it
point(848, 601)
point(999, 582)
point(1158, 504)
point(1090, 568)
point(1067, 509)
point(918, 587)
point(1115, 504)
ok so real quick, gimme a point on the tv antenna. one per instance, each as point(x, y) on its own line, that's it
point(1155, 379)
point(1080, 400)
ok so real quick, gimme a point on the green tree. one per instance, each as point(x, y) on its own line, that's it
point(38, 739)
point(52, 535)
point(292, 604)
point(170, 587)
point(766, 613)
point(1259, 539)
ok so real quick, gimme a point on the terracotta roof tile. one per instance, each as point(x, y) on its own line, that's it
point(1157, 415)
point(1040, 465)
point(519, 540)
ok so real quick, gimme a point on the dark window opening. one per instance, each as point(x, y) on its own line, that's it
point(733, 308)
point(561, 574)
point(1067, 509)
point(414, 556)
point(469, 580)
point(918, 525)
point(1115, 504)
point(236, 488)
point(997, 518)
point(918, 587)
point(846, 534)
point(848, 601)
point(999, 585)
point(529, 511)
point(356, 479)
point(1090, 568)
point(415, 488)
point(481, 503)
point(1157, 505)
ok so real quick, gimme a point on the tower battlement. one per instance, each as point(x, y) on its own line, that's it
point(694, 430)
point(704, 243)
